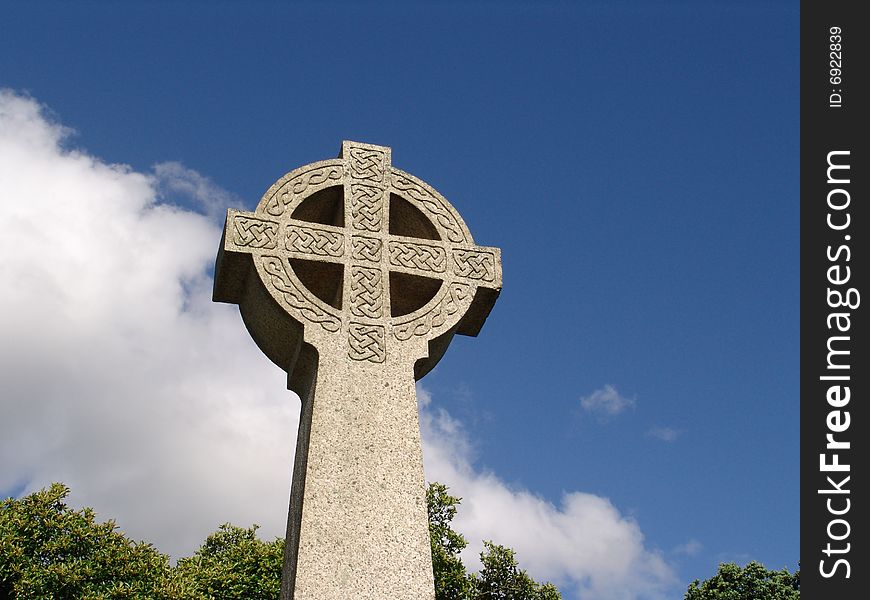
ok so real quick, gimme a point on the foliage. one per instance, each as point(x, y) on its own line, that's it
point(752, 582)
point(235, 564)
point(48, 550)
point(500, 577)
point(451, 579)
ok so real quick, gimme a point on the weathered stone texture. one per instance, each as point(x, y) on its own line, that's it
point(353, 277)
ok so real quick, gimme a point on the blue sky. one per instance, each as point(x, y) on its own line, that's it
point(637, 162)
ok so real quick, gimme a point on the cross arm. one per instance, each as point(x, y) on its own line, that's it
point(246, 234)
point(480, 266)
point(468, 263)
point(243, 233)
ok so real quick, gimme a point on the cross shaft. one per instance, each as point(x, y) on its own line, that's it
point(353, 276)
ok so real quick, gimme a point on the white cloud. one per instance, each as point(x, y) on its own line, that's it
point(118, 374)
point(665, 434)
point(690, 548)
point(584, 545)
point(174, 178)
point(120, 377)
point(606, 402)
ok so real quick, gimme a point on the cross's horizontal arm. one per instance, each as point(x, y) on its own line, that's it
point(250, 233)
point(478, 265)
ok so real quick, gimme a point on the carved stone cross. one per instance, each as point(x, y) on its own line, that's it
point(353, 277)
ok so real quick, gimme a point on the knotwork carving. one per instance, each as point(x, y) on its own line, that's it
point(366, 342)
point(364, 248)
point(254, 233)
point(432, 205)
point(418, 256)
point(366, 207)
point(345, 248)
point(295, 297)
point(456, 295)
point(299, 184)
point(314, 241)
point(474, 264)
point(367, 164)
point(344, 256)
point(366, 292)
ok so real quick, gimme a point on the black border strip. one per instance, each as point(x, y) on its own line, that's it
point(834, 300)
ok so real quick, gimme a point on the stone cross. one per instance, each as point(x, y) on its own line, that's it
point(353, 277)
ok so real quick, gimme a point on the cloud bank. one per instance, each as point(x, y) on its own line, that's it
point(583, 545)
point(120, 377)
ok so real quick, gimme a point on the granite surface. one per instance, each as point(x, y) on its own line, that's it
point(353, 276)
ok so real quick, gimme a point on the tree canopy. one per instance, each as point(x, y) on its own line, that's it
point(234, 563)
point(49, 550)
point(500, 578)
point(752, 582)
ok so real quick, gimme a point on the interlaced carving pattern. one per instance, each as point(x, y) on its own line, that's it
point(363, 248)
point(366, 207)
point(366, 292)
point(254, 233)
point(314, 241)
point(368, 181)
point(367, 342)
point(417, 256)
point(295, 297)
point(367, 164)
point(474, 264)
point(297, 186)
point(457, 293)
point(431, 205)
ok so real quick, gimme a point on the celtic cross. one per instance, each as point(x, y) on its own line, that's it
point(353, 276)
